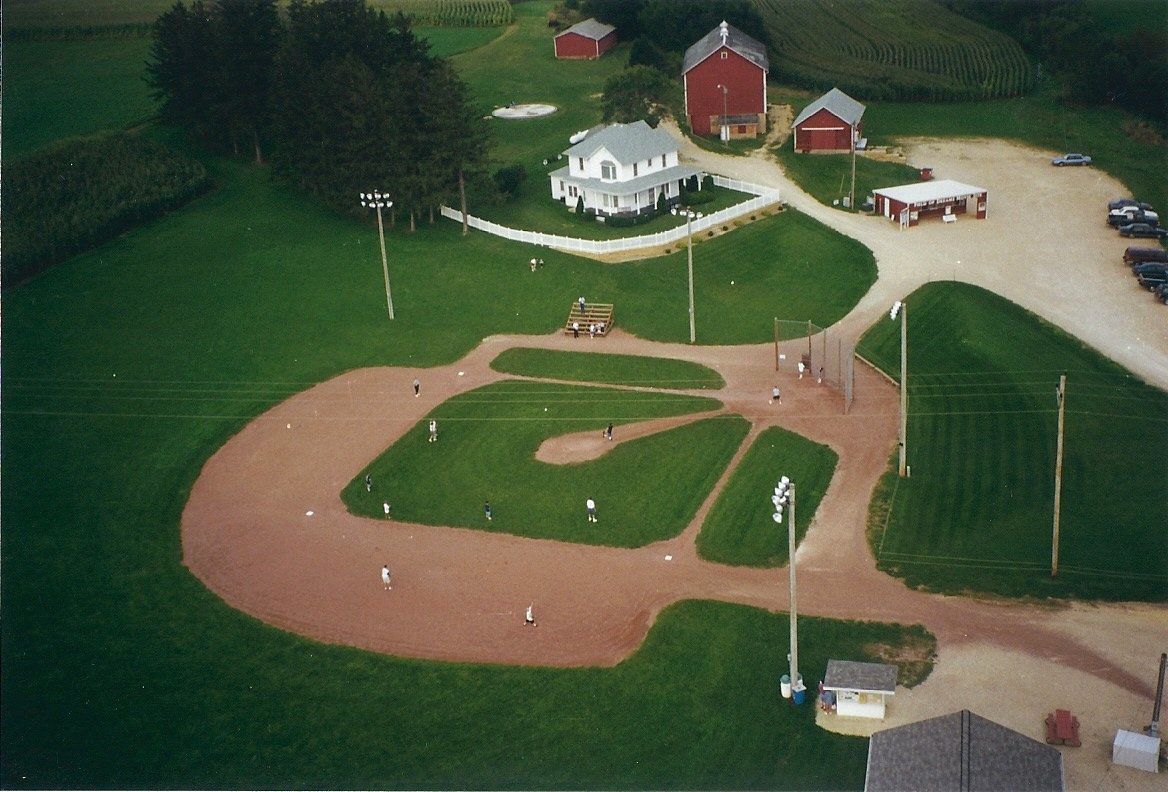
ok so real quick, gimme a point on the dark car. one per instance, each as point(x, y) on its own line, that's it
point(1119, 203)
point(1118, 217)
point(1143, 231)
point(1153, 281)
point(1139, 255)
point(1150, 268)
point(1162, 293)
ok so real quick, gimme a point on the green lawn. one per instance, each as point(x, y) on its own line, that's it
point(632, 370)
point(533, 209)
point(486, 451)
point(828, 177)
point(46, 98)
point(447, 41)
point(977, 511)
point(739, 529)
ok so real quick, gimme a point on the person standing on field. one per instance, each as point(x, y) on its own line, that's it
point(529, 616)
point(487, 508)
point(433, 431)
point(385, 577)
point(581, 303)
point(369, 482)
point(590, 505)
point(608, 433)
point(776, 396)
point(417, 387)
point(386, 509)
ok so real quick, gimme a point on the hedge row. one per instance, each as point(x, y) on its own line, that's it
point(63, 200)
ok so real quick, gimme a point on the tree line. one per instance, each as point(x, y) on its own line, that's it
point(338, 97)
point(1097, 65)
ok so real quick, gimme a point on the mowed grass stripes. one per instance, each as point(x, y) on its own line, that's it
point(630, 370)
point(977, 511)
point(645, 490)
point(739, 529)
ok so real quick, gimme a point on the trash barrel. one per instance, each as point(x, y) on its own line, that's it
point(798, 691)
point(785, 685)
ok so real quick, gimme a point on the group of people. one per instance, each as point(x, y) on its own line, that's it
point(806, 369)
point(593, 329)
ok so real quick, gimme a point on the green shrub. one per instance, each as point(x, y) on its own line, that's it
point(697, 197)
point(66, 199)
point(629, 220)
point(509, 178)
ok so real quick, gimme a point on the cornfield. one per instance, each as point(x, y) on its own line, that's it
point(892, 49)
point(451, 13)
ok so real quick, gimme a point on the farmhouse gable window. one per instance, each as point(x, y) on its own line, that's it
point(634, 169)
point(608, 170)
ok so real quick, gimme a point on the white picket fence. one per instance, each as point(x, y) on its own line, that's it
point(763, 196)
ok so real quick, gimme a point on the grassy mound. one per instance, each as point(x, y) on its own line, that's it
point(976, 512)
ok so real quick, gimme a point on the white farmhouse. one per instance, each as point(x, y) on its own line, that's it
point(621, 169)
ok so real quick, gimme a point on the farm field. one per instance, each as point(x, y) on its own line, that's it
point(976, 512)
point(486, 452)
point(627, 370)
point(905, 49)
point(739, 529)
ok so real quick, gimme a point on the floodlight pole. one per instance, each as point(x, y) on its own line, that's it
point(1061, 395)
point(689, 268)
point(791, 567)
point(377, 201)
point(903, 466)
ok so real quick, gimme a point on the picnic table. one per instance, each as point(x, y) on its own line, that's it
point(1062, 728)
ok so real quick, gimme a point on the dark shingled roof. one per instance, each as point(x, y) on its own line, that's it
point(589, 28)
point(736, 40)
point(852, 675)
point(961, 752)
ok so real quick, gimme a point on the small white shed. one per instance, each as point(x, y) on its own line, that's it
point(1132, 749)
point(860, 688)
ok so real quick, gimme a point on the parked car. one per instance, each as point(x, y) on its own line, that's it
point(1151, 268)
point(1153, 281)
point(1162, 293)
point(1119, 203)
point(1143, 231)
point(1139, 255)
point(1129, 214)
point(1071, 159)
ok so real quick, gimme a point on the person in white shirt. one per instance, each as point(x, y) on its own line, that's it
point(385, 508)
point(385, 577)
point(433, 431)
point(590, 505)
point(529, 616)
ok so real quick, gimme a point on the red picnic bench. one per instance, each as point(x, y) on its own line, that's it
point(1062, 728)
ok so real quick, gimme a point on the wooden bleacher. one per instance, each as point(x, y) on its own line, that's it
point(599, 314)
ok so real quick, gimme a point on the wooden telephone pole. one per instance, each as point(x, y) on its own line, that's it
point(1061, 395)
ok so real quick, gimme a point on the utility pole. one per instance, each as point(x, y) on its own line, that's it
point(1061, 395)
point(903, 468)
point(776, 343)
point(852, 200)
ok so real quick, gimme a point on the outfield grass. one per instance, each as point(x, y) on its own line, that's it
point(828, 177)
point(46, 98)
point(977, 511)
point(486, 451)
point(631, 370)
point(739, 529)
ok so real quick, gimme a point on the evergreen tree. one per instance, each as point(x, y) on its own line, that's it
point(247, 37)
point(179, 69)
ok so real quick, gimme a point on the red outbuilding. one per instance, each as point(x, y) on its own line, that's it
point(829, 123)
point(725, 84)
point(910, 203)
point(587, 39)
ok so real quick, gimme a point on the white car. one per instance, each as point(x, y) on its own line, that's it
point(1071, 159)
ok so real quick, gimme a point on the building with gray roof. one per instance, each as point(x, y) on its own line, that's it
point(962, 752)
point(828, 123)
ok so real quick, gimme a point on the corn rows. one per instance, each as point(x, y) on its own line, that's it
point(892, 49)
point(452, 13)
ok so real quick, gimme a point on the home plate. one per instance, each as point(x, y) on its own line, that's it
point(462, 373)
point(308, 513)
point(668, 558)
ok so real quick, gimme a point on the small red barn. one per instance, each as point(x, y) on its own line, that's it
point(725, 84)
point(587, 39)
point(829, 123)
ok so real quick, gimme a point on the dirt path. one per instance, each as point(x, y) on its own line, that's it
point(266, 530)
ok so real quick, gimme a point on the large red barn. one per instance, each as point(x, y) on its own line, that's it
point(587, 39)
point(725, 84)
point(828, 123)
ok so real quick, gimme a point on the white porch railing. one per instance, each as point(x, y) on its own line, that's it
point(763, 196)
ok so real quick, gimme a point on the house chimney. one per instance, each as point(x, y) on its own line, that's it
point(724, 29)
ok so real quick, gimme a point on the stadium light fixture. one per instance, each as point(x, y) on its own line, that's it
point(900, 308)
point(689, 217)
point(783, 501)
